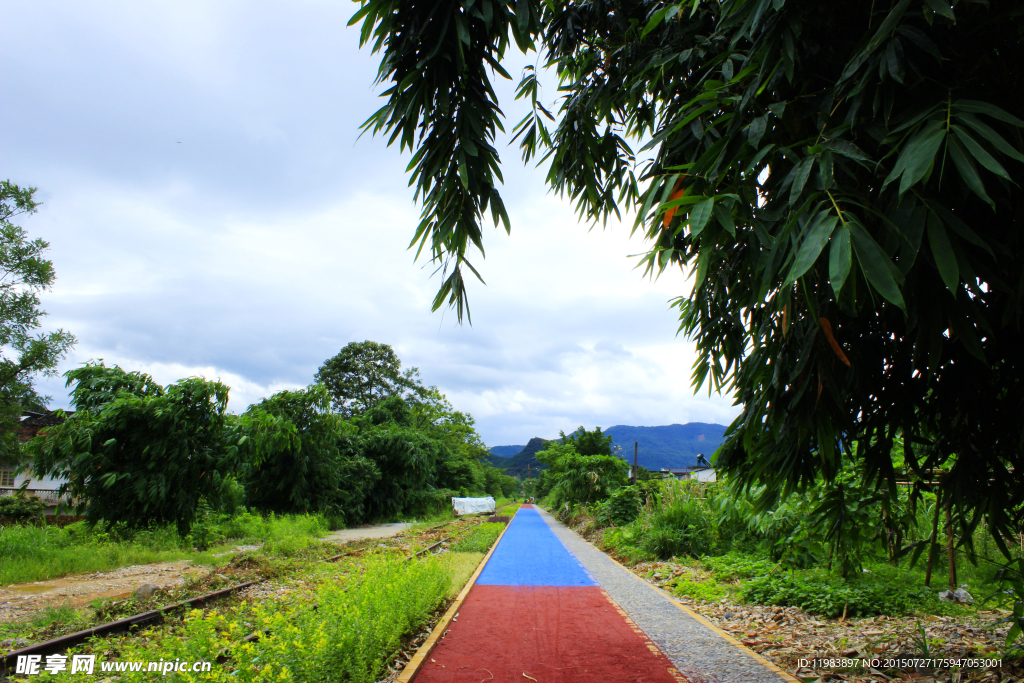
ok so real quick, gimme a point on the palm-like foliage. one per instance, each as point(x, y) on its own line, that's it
point(841, 179)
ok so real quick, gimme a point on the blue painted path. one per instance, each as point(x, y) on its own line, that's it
point(531, 555)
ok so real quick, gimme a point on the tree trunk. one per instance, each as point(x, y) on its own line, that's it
point(950, 546)
point(932, 541)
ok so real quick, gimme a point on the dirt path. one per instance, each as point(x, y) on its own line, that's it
point(359, 533)
point(21, 600)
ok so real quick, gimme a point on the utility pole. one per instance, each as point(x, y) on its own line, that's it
point(636, 448)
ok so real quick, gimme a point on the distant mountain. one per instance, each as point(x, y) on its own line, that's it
point(524, 461)
point(505, 451)
point(669, 446)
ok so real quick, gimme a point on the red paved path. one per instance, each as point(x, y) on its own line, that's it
point(549, 634)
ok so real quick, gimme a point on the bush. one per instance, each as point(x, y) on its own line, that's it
point(821, 593)
point(21, 507)
point(736, 566)
point(624, 505)
point(708, 590)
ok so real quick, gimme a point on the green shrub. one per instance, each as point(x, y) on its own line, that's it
point(708, 590)
point(624, 505)
point(737, 566)
point(21, 507)
point(828, 595)
point(681, 525)
point(625, 542)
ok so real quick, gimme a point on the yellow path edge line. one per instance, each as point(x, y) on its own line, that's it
point(728, 637)
point(428, 645)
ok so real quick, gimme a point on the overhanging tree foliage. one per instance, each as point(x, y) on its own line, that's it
point(842, 179)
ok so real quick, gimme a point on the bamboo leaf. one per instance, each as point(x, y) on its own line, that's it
point(840, 259)
point(921, 153)
point(756, 130)
point(979, 153)
point(656, 19)
point(699, 215)
point(725, 219)
point(992, 136)
point(817, 235)
point(968, 171)
point(941, 7)
point(942, 252)
point(894, 60)
point(976, 107)
point(877, 267)
point(800, 174)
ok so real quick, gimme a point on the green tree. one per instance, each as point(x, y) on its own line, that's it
point(588, 443)
point(841, 179)
point(320, 470)
point(137, 453)
point(24, 352)
point(574, 478)
point(363, 374)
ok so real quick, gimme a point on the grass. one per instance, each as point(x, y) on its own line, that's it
point(345, 624)
point(480, 539)
point(34, 553)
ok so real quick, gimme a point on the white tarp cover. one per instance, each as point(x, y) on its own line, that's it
point(468, 506)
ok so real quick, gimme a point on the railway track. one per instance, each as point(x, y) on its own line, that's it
point(151, 617)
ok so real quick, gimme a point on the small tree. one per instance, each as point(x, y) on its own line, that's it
point(588, 443)
point(23, 352)
point(138, 453)
point(319, 470)
point(576, 478)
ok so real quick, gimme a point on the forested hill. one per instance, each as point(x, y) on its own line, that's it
point(501, 455)
point(659, 447)
point(669, 445)
point(516, 466)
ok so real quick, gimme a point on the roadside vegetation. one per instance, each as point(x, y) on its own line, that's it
point(840, 549)
point(354, 619)
point(165, 472)
point(39, 552)
point(343, 621)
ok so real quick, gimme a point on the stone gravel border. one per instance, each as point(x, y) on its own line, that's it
point(701, 654)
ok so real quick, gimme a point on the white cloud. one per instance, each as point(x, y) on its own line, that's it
point(267, 238)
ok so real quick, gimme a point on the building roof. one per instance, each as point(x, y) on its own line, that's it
point(33, 420)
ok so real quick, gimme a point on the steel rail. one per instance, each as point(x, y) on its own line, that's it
point(62, 643)
point(49, 647)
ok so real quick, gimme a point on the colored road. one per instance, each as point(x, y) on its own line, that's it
point(537, 613)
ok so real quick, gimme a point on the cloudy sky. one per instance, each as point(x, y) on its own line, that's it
point(212, 211)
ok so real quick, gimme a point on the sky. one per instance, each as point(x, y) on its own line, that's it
point(212, 210)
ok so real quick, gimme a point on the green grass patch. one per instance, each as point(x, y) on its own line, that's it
point(480, 539)
point(363, 609)
point(818, 592)
point(38, 553)
point(708, 590)
point(737, 566)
